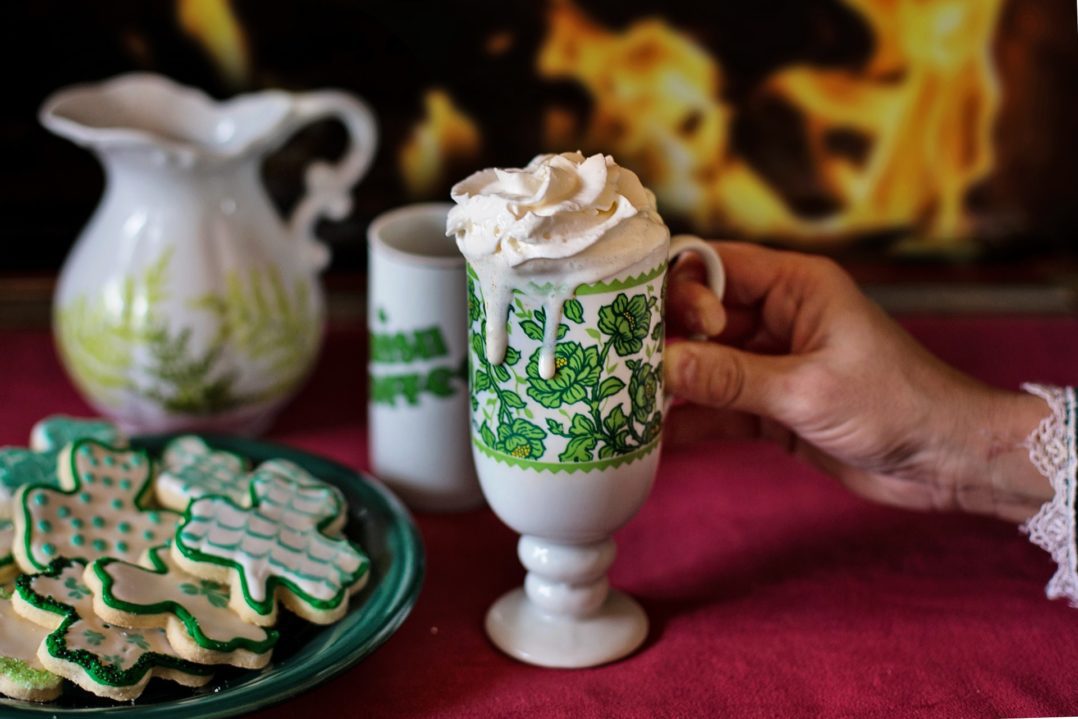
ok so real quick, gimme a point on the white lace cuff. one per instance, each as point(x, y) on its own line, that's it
point(1052, 451)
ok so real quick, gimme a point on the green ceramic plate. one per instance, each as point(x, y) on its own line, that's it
point(306, 655)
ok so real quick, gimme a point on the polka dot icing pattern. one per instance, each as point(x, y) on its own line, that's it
point(198, 606)
point(98, 509)
point(277, 542)
point(37, 465)
point(85, 647)
point(191, 469)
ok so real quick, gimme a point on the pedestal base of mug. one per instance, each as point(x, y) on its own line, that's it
point(525, 632)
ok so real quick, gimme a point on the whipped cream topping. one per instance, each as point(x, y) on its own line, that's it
point(562, 221)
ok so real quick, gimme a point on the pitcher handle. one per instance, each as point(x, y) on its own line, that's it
point(716, 274)
point(328, 186)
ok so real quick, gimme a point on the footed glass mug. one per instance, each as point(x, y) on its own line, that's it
point(568, 460)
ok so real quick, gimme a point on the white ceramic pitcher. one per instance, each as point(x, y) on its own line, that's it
point(187, 303)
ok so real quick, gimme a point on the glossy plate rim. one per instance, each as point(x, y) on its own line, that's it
point(393, 600)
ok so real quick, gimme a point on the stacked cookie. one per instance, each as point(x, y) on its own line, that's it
point(131, 573)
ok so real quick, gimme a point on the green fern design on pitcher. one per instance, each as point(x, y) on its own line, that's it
point(269, 324)
point(98, 345)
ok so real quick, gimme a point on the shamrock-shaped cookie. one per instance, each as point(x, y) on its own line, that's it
point(22, 675)
point(97, 511)
point(190, 469)
point(275, 549)
point(37, 465)
point(194, 612)
point(98, 656)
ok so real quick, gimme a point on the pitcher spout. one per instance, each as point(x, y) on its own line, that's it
point(148, 112)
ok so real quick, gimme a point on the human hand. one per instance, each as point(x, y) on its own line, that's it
point(804, 358)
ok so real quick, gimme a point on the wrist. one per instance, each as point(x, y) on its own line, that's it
point(994, 475)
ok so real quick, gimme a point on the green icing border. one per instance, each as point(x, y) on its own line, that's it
point(70, 453)
point(567, 467)
point(266, 606)
point(194, 630)
point(56, 643)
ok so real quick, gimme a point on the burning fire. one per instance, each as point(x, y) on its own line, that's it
point(443, 138)
point(924, 105)
point(213, 24)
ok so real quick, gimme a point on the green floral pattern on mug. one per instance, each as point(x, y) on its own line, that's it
point(587, 412)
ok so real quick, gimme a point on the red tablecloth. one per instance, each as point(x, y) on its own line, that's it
point(771, 591)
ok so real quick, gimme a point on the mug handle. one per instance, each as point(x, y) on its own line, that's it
point(716, 274)
point(328, 186)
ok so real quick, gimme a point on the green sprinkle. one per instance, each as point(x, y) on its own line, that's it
point(99, 545)
point(123, 527)
point(85, 497)
point(78, 540)
point(98, 522)
point(40, 499)
point(125, 484)
point(117, 503)
point(107, 481)
point(48, 549)
point(77, 522)
point(154, 517)
point(22, 673)
point(109, 460)
point(136, 460)
point(121, 546)
point(147, 535)
point(88, 477)
point(44, 525)
point(63, 512)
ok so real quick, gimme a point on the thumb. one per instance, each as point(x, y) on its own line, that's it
point(720, 376)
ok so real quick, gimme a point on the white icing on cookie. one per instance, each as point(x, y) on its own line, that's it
point(191, 469)
point(206, 601)
point(19, 638)
point(111, 647)
point(280, 538)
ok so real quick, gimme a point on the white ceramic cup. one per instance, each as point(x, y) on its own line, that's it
point(568, 460)
point(418, 404)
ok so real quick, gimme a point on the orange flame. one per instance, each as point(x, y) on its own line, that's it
point(444, 137)
point(926, 103)
point(213, 24)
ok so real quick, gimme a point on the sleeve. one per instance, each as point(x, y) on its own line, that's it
point(1052, 451)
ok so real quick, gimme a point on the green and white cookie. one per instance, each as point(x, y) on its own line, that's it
point(277, 548)
point(194, 612)
point(101, 658)
point(53, 433)
point(22, 676)
point(37, 465)
point(190, 469)
point(99, 509)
